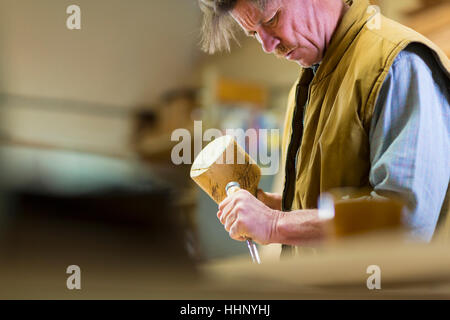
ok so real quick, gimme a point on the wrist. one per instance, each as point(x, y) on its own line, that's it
point(276, 234)
point(300, 227)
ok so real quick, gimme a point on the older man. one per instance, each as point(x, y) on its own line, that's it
point(370, 109)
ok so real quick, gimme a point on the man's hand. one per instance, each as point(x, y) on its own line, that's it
point(244, 216)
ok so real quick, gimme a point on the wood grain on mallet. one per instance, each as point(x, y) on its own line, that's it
point(221, 162)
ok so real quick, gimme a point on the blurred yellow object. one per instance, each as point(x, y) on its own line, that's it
point(232, 91)
point(443, 227)
point(357, 212)
point(432, 21)
point(362, 215)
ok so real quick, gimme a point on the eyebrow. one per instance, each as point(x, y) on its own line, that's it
point(261, 21)
point(250, 33)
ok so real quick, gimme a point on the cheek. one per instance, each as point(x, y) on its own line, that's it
point(287, 36)
point(294, 34)
point(299, 32)
point(305, 38)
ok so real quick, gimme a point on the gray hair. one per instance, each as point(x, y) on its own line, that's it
point(218, 26)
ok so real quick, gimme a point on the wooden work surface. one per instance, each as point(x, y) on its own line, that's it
point(408, 271)
point(338, 271)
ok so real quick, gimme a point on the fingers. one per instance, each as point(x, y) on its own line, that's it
point(237, 195)
point(234, 233)
point(227, 210)
point(226, 201)
point(272, 200)
point(230, 221)
point(260, 195)
point(228, 214)
point(264, 197)
point(228, 204)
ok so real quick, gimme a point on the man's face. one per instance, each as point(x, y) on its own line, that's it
point(293, 29)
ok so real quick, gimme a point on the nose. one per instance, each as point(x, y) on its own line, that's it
point(267, 40)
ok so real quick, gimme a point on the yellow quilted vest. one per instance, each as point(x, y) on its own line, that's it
point(334, 150)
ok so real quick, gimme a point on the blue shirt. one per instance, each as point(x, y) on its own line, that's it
point(410, 138)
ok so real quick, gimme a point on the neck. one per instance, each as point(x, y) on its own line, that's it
point(337, 10)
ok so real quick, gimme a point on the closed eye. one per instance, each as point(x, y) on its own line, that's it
point(273, 21)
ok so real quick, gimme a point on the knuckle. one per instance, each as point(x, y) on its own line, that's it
point(243, 193)
point(240, 194)
point(223, 218)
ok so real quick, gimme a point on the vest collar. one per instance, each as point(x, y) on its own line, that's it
point(349, 27)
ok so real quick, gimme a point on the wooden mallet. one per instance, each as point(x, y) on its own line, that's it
point(221, 169)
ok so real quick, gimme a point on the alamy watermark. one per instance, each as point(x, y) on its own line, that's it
point(73, 22)
point(263, 146)
point(374, 22)
point(74, 280)
point(374, 280)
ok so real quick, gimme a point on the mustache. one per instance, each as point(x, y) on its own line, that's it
point(281, 50)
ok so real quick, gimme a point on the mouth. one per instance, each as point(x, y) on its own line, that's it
point(288, 55)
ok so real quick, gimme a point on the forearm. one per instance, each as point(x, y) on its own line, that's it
point(299, 227)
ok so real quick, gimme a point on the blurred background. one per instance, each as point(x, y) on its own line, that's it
point(87, 115)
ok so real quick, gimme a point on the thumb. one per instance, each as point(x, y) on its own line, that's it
point(261, 195)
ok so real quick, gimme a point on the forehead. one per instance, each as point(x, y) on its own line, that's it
point(248, 14)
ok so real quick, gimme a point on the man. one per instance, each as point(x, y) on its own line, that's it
point(370, 109)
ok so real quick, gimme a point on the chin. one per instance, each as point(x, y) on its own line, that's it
point(310, 61)
point(304, 64)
